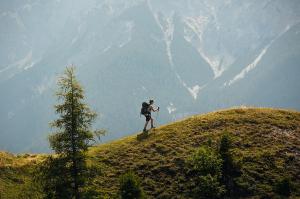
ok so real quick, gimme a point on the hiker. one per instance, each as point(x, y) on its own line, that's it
point(146, 110)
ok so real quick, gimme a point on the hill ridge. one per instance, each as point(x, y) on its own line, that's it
point(266, 142)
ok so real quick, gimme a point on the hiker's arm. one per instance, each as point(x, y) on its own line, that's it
point(154, 110)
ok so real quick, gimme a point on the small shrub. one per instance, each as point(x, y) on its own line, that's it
point(225, 144)
point(209, 142)
point(283, 187)
point(205, 161)
point(206, 166)
point(209, 187)
point(130, 187)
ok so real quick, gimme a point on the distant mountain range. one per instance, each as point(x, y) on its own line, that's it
point(190, 56)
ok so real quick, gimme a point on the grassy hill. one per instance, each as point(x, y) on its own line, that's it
point(266, 145)
point(16, 175)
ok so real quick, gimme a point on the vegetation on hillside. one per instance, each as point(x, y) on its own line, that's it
point(205, 170)
point(66, 174)
point(16, 172)
point(130, 187)
point(265, 147)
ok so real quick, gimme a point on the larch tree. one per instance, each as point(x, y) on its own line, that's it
point(66, 171)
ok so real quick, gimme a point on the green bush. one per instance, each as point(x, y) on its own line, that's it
point(283, 187)
point(209, 187)
point(130, 187)
point(225, 144)
point(205, 161)
point(206, 166)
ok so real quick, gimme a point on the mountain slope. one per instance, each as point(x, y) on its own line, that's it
point(266, 145)
point(275, 64)
point(179, 52)
point(273, 73)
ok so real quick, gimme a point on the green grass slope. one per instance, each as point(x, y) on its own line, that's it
point(15, 175)
point(266, 143)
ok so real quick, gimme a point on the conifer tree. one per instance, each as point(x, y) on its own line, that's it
point(230, 170)
point(71, 140)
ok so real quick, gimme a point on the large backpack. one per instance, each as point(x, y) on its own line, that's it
point(145, 108)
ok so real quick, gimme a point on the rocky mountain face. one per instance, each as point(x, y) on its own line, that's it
point(190, 56)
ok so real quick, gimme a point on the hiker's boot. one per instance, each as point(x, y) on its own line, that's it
point(144, 130)
point(152, 127)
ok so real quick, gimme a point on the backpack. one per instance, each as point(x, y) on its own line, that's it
point(145, 108)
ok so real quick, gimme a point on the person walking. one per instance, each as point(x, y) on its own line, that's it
point(146, 110)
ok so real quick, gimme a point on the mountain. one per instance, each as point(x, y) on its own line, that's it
point(191, 56)
point(265, 145)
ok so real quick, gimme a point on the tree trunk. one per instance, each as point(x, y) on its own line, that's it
point(74, 158)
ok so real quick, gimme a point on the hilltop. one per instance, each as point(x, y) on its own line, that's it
point(266, 143)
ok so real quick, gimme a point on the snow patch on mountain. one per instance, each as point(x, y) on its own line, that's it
point(129, 26)
point(29, 66)
point(248, 68)
point(253, 65)
point(168, 35)
point(194, 91)
point(171, 108)
point(166, 24)
point(193, 33)
point(214, 63)
point(197, 25)
point(46, 83)
point(24, 63)
point(106, 49)
point(80, 30)
point(167, 28)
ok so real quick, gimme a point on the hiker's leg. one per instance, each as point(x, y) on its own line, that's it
point(152, 126)
point(146, 124)
point(148, 117)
